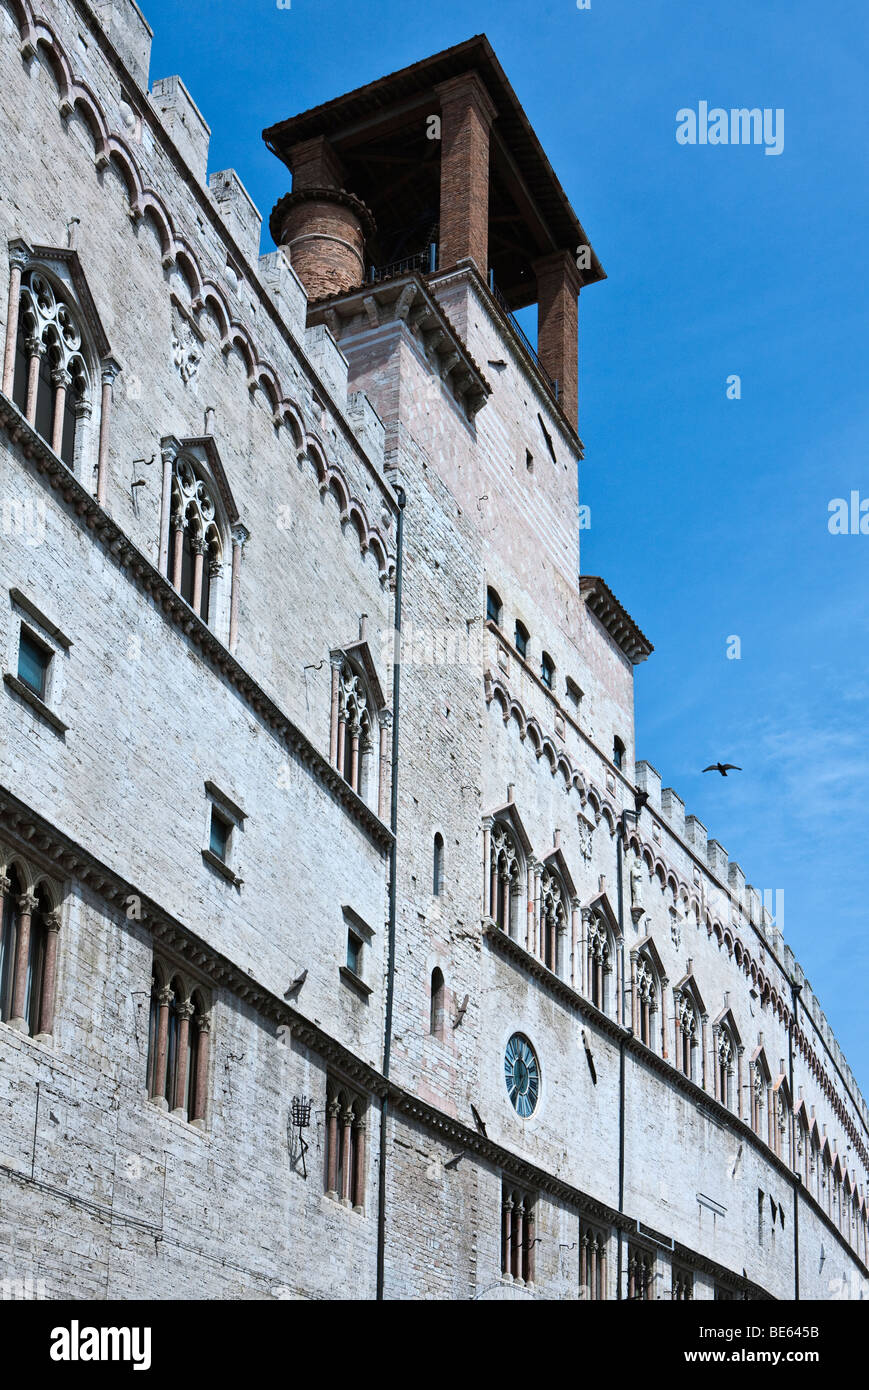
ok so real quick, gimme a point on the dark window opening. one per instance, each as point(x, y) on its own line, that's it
point(33, 660)
point(493, 607)
point(521, 639)
point(547, 670)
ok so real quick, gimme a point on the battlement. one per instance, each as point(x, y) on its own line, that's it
point(746, 903)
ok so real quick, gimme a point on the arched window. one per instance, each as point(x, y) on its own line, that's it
point(52, 382)
point(553, 918)
point(436, 1019)
point(648, 999)
point(724, 1060)
point(28, 947)
point(521, 639)
point(178, 1029)
point(196, 549)
point(356, 728)
point(618, 752)
point(547, 670)
point(687, 1034)
point(345, 1146)
point(506, 869)
point(760, 1083)
point(493, 606)
point(599, 959)
point(437, 887)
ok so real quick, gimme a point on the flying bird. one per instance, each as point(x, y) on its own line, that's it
point(723, 768)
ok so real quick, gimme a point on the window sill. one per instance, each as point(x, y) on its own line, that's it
point(33, 700)
point(353, 980)
point(216, 863)
point(177, 1117)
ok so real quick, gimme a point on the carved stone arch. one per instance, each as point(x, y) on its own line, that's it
point(120, 156)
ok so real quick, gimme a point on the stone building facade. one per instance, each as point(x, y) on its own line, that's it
point(347, 948)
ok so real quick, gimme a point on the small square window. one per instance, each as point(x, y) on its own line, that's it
point(33, 660)
point(354, 953)
point(221, 829)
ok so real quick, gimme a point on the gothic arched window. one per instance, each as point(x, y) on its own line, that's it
point(493, 606)
point(553, 917)
point(687, 1034)
point(600, 955)
point(196, 549)
point(52, 379)
point(648, 999)
point(506, 869)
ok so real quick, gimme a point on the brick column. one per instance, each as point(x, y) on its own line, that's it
point(26, 907)
point(467, 112)
point(110, 369)
point(49, 975)
point(239, 538)
point(18, 260)
point(558, 286)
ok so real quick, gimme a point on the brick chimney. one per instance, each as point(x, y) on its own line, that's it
point(558, 286)
point(467, 112)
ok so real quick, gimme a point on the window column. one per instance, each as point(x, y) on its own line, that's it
point(110, 369)
point(240, 536)
point(49, 974)
point(359, 1167)
point(507, 1236)
point(61, 381)
point(164, 999)
point(185, 1013)
point(487, 866)
point(178, 526)
point(383, 774)
point(197, 546)
point(202, 1023)
point(35, 349)
point(26, 907)
point(347, 1157)
point(332, 1110)
point(17, 260)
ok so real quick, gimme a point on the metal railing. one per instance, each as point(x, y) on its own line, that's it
point(522, 335)
point(424, 261)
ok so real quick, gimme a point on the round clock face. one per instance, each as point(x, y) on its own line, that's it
point(522, 1075)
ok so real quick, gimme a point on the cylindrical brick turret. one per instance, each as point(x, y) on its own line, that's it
point(324, 230)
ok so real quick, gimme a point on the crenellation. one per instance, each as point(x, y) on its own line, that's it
point(649, 780)
point(184, 123)
point(129, 32)
point(237, 209)
point(673, 807)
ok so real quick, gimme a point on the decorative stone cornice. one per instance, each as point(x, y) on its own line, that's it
point(141, 572)
point(602, 602)
point(407, 299)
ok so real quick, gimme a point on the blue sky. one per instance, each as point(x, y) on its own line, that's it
point(709, 516)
